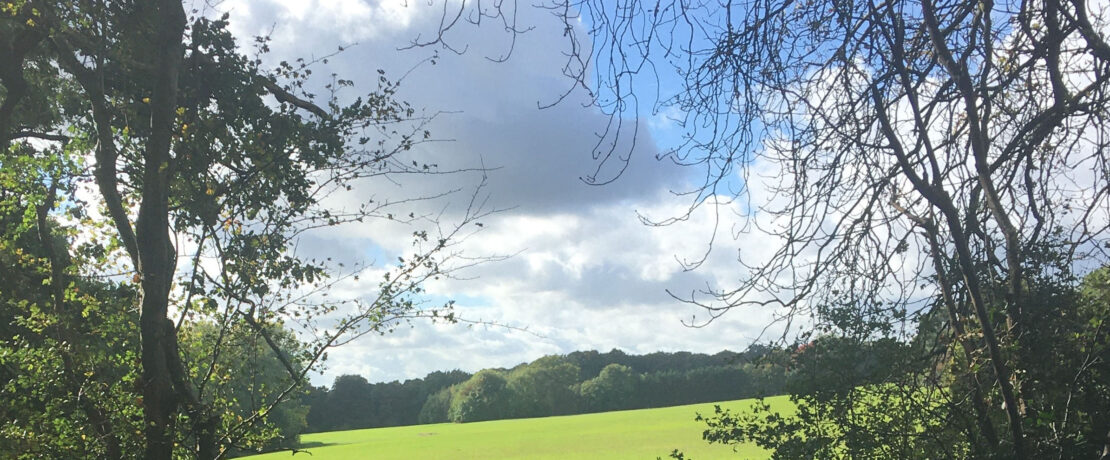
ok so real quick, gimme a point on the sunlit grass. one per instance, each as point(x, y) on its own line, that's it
point(636, 434)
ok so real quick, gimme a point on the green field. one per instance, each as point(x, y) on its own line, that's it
point(635, 434)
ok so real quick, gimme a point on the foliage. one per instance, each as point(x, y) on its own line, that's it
point(156, 180)
point(864, 422)
point(1068, 411)
point(245, 378)
point(436, 407)
point(353, 402)
point(66, 375)
point(849, 401)
point(578, 382)
point(544, 387)
point(612, 389)
point(880, 399)
point(484, 396)
point(68, 372)
point(66, 379)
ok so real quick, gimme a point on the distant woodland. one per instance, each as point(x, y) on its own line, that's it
point(579, 382)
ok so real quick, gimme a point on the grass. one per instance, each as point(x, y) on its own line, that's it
point(635, 434)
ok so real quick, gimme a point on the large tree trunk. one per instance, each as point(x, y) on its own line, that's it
point(164, 26)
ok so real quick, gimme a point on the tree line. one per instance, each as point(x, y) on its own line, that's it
point(579, 382)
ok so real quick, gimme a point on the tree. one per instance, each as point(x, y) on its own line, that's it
point(245, 378)
point(613, 389)
point(483, 397)
point(550, 385)
point(436, 407)
point(208, 166)
point(892, 153)
point(544, 387)
point(354, 403)
point(858, 398)
point(66, 387)
point(350, 403)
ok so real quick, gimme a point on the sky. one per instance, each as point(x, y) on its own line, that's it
point(585, 273)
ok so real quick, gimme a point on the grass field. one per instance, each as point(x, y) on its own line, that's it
point(635, 434)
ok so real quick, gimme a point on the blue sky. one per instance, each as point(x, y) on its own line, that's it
point(586, 273)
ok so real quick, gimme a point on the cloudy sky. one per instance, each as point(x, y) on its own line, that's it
point(586, 273)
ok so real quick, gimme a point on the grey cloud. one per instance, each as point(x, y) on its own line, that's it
point(494, 119)
point(540, 156)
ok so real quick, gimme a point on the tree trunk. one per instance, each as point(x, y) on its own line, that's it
point(939, 199)
point(961, 336)
point(157, 260)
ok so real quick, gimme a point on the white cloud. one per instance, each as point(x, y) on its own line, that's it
point(596, 279)
point(300, 22)
point(588, 274)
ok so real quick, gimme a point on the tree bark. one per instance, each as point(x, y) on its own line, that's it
point(960, 334)
point(938, 198)
point(157, 260)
